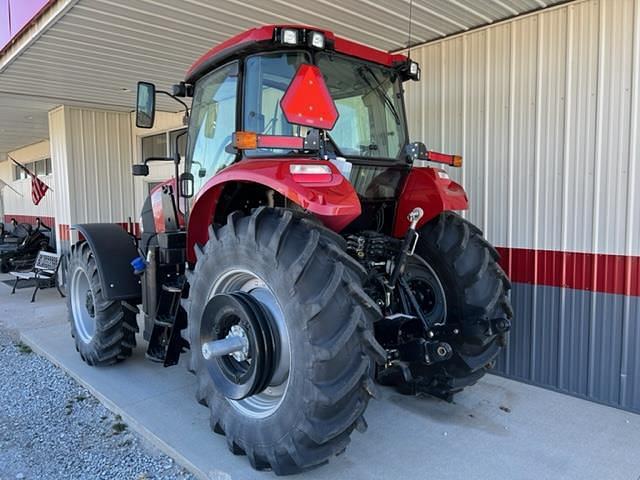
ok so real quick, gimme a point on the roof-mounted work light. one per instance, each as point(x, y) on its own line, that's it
point(414, 70)
point(409, 70)
point(289, 36)
point(316, 40)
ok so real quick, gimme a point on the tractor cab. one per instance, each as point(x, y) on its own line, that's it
point(286, 92)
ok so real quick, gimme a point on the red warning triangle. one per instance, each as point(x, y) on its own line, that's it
point(307, 100)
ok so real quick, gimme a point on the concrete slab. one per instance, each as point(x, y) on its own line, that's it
point(542, 435)
point(497, 429)
point(17, 313)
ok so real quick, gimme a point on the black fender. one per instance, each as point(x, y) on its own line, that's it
point(113, 250)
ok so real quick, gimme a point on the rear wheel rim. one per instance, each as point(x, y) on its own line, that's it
point(83, 306)
point(265, 403)
point(429, 293)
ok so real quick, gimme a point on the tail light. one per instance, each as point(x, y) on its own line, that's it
point(310, 173)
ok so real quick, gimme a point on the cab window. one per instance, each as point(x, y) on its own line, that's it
point(267, 77)
point(213, 121)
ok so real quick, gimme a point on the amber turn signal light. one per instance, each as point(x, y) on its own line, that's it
point(245, 140)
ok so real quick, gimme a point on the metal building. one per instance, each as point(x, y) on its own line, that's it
point(541, 98)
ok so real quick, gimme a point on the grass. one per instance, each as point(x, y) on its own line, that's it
point(23, 348)
point(118, 426)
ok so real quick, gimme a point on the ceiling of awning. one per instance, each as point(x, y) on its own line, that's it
point(99, 49)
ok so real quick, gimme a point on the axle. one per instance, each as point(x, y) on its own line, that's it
point(226, 346)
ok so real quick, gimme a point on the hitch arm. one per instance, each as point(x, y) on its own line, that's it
point(408, 246)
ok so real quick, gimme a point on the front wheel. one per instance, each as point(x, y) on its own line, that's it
point(104, 330)
point(283, 288)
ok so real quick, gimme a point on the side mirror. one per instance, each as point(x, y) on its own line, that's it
point(145, 105)
point(186, 185)
point(140, 170)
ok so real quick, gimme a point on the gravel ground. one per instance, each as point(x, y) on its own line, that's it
point(52, 428)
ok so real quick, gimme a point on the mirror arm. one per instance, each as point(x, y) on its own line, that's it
point(158, 159)
point(186, 107)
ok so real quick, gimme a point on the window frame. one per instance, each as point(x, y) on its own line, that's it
point(401, 158)
point(254, 154)
point(239, 63)
point(33, 166)
point(167, 133)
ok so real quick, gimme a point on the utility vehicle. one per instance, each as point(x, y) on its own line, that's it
point(302, 252)
point(19, 247)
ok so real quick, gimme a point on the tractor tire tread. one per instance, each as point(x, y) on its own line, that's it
point(337, 389)
point(115, 323)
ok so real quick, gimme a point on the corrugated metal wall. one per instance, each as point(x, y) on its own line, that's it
point(545, 110)
point(15, 204)
point(12, 204)
point(91, 152)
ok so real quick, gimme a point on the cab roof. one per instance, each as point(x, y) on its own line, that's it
point(259, 38)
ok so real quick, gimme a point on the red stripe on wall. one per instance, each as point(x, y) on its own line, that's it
point(65, 234)
point(31, 219)
point(132, 228)
point(618, 274)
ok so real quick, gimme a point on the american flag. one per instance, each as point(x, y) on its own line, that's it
point(38, 187)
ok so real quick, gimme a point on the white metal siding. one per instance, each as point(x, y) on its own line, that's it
point(58, 145)
point(544, 110)
point(15, 204)
point(100, 158)
point(92, 157)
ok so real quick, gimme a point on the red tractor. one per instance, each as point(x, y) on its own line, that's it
point(313, 260)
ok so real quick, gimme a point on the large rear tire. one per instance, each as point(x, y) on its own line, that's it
point(312, 288)
point(104, 330)
point(477, 294)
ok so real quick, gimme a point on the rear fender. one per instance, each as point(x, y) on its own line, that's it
point(432, 190)
point(333, 201)
point(113, 249)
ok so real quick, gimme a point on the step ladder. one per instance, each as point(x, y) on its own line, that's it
point(166, 343)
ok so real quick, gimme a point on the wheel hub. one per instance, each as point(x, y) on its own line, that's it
point(88, 303)
point(238, 332)
point(239, 344)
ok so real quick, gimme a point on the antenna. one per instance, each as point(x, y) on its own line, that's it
point(410, 22)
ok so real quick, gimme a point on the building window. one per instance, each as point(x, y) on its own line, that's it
point(39, 167)
point(182, 142)
point(154, 146)
point(163, 144)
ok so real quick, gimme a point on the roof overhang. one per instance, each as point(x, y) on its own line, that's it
point(92, 52)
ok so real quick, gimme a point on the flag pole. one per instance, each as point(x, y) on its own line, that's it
point(27, 171)
point(5, 184)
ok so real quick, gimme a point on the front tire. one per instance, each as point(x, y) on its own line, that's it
point(104, 330)
point(299, 270)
